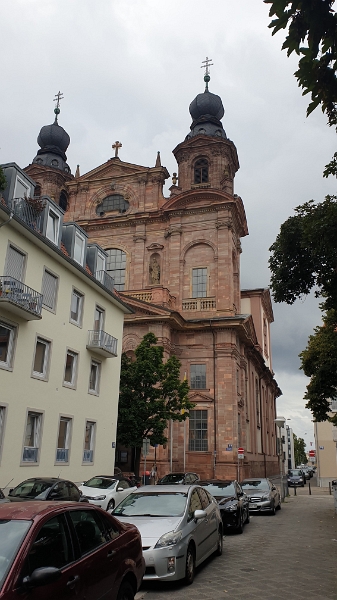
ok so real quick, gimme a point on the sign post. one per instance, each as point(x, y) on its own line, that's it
point(146, 446)
point(241, 455)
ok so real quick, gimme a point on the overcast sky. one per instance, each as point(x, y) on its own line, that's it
point(129, 69)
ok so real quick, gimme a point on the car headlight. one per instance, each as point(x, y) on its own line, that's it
point(99, 498)
point(169, 539)
point(265, 497)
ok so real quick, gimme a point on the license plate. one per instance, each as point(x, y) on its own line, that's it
point(253, 506)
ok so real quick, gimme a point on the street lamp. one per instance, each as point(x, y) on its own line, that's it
point(279, 422)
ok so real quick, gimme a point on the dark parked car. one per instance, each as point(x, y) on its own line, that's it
point(263, 495)
point(178, 478)
point(45, 488)
point(295, 478)
point(232, 501)
point(66, 550)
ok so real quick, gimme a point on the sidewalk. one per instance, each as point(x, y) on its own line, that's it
point(292, 556)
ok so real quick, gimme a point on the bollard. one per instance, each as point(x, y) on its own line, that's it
point(309, 488)
point(330, 488)
point(295, 492)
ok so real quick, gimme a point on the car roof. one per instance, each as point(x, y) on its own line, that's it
point(31, 509)
point(216, 481)
point(165, 489)
point(47, 479)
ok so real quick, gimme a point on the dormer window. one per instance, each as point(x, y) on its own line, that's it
point(79, 248)
point(201, 171)
point(53, 224)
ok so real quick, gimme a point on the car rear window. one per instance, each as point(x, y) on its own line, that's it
point(220, 489)
point(11, 536)
point(172, 478)
point(31, 489)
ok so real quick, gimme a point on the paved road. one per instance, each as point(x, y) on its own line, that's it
point(291, 556)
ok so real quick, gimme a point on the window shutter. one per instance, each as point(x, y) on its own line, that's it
point(15, 263)
point(49, 288)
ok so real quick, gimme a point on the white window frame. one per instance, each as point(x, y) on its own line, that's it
point(79, 295)
point(101, 312)
point(56, 225)
point(47, 272)
point(24, 185)
point(91, 442)
point(44, 374)
point(37, 437)
point(95, 390)
point(101, 257)
point(8, 364)
point(71, 384)
point(3, 417)
point(69, 420)
point(79, 237)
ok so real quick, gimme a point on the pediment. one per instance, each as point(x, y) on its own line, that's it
point(198, 198)
point(113, 168)
point(199, 397)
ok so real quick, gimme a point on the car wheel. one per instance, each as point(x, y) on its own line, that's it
point(239, 528)
point(126, 592)
point(219, 549)
point(190, 565)
point(273, 510)
point(302, 485)
point(279, 506)
point(111, 505)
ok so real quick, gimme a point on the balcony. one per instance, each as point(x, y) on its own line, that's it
point(20, 299)
point(105, 279)
point(30, 454)
point(102, 343)
point(155, 295)
point(62, 455)
point(199, 304)
point(88, 456)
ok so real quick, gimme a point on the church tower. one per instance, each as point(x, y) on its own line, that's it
point(49, 167)
point(176, 262)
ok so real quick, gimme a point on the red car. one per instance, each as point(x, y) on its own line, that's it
point(67, 550)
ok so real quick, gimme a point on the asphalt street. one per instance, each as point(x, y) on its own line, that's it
point(292, 556)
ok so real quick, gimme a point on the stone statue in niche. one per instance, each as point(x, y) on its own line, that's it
point(154, 270)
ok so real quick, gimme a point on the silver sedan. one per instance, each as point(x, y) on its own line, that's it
point(180, 527)
point(263, 495)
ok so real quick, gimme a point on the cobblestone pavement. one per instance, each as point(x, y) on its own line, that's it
point(292, 556)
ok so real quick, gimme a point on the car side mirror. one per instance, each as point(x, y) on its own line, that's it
point(199, 514)
point(120, 489)
point(42, 576)
point(10, 491)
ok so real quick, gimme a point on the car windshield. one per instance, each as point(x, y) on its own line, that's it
point(152, 505)
point(296, 472)
point(220, 489)
point(172, 478)
point(31, 489)
point(11, 536)
point(102, 483)
point(255, 484)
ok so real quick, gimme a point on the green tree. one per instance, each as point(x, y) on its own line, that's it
point(151, 394)
point(319, 362)
point(312, 34)
point(299, 451)
point(3, 180)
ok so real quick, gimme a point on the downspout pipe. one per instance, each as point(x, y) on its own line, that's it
point(262, 428)
point(214, 402)
point(8, 220)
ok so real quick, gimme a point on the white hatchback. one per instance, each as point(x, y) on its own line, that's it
point(106, 491)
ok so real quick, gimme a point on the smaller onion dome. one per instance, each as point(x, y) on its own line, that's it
point(53, 138)
point(207, 104)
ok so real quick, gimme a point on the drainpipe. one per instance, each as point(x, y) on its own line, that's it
point(262, 429)
point(214, 401)
point(8, 220)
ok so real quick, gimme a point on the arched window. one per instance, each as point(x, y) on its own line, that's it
point(201, 171)
point(114, 203)
point(63, 201)
point(116, 264)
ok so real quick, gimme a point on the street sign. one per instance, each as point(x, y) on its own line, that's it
point(146, 446)
point(241, 450)
point(241, 455)
point(312, 452)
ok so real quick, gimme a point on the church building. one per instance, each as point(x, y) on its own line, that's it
point(176, 262)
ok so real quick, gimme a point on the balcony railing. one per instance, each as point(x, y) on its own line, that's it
point(102, 343)
point(21, 299)
point(88, 456)
point(32, 216)
point(201, 304)
point(30, 454)
point(105, 279)
point(62, 454)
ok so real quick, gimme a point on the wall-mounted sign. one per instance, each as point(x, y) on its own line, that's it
point(229, 448)
point(113, 444)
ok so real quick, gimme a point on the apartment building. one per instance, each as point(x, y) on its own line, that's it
point(61, 328)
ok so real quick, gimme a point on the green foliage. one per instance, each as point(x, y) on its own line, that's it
point(312, 34)
point(304, 254)
point(3, 180)
point(299, 451)
point(319, 362)
point(151, 394)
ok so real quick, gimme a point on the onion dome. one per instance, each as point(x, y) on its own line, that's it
point(53, 141)
point(206, 111)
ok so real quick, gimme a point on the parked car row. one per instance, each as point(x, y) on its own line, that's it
point(52, 546)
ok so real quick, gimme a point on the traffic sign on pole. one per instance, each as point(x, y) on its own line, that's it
point(312, 452)
point(241, 450)
point(146, 446)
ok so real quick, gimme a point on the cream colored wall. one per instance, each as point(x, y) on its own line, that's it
point(20, 391)
point(253, 306)
point(327, 457)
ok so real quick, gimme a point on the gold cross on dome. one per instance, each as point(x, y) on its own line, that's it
point(116, 147)
point(206, 65)
point(58, 97)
